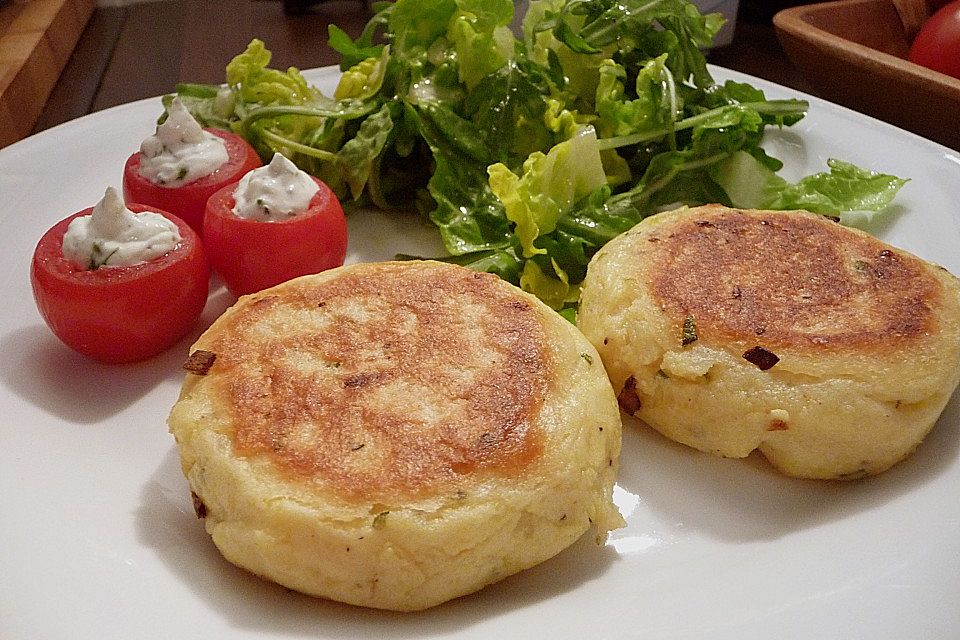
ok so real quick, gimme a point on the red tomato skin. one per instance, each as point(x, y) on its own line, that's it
point(251, 255)
point(120, 314)
point(937, 45)
point(189, 201)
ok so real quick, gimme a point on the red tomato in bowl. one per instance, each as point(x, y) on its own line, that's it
point(120, 314)
point(937, 45)
point(251, 255)
point(188, 202)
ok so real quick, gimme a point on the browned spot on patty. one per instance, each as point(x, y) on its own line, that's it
point(199, 362)
point(795, 280)
point(409, 376)
point(777, 425)
point(199, 507)
point(628, 399)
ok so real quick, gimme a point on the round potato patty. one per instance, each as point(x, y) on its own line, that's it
point(729, 330)
point(397, 434)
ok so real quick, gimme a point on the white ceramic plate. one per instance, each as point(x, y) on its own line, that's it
point(98, 538)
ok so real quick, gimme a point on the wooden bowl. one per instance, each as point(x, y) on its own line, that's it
point(853, 52)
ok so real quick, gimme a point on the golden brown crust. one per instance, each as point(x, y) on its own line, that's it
point(384, 386)
point(786, 280)
point(831, 353)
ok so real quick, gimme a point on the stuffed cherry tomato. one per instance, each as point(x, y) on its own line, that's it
point(179, 167)
point(118, 283)
point(277, 223)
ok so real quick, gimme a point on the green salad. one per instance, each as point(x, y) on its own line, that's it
point(529, 153)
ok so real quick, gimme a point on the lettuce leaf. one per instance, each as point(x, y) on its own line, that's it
point(249, 75)
point(364, 80)
point(846, 188)
point(656, 104)
point(358, 155)
point(481, 38)
point(549, 185)
point(416, 24)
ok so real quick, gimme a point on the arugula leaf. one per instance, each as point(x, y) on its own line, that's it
point(470, 218)
point(509, 108)
point(351, 53)
point(501, 262)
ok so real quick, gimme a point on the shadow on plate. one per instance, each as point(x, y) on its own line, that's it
point(166, 523)
point(41, 370)
point(747, 500)
point(59, 381)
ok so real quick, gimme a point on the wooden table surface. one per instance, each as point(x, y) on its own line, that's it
point(145, 49)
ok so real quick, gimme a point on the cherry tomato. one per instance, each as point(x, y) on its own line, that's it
point(120, 314)
point(937, 45)
point(251, 255)
point(189, 201)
